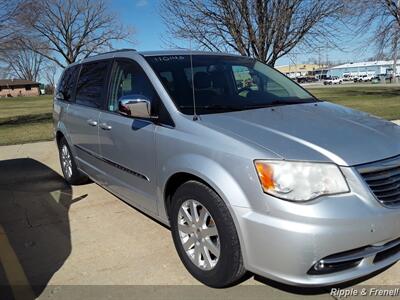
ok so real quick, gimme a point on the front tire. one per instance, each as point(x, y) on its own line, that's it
point(68, 165)
point(204, 235)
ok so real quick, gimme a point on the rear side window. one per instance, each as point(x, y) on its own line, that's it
point(66, 86)
point(90, 90)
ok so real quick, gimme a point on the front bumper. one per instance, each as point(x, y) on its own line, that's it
point(286, 240)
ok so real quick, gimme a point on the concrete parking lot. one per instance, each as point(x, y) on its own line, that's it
point(57, 239)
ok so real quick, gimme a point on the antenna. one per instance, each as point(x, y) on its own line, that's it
point(195, 117)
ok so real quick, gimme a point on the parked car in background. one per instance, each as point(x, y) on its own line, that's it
point(260, 177)
point(333, 80)
point(348, 77)
point(366, 78)
point(306, 79)
point(376, 79)
point(363, 78)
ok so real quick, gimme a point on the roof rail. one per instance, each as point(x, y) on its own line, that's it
point(119, 50)
point(112, 51)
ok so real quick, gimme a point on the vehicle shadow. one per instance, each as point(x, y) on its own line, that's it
point(35, 237)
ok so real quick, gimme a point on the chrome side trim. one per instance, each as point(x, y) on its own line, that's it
point(114, 164)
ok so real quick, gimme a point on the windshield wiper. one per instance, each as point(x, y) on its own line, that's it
point(214, 106)
point(274, 103)
point(241, 107)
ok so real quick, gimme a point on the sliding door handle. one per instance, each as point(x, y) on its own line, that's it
point(105, 126)
point(92, 122)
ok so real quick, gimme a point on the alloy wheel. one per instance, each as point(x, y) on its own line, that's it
point(66, 161)
point(199, 234)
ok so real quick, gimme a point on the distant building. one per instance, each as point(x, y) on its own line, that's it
point(18, 87)
point(372, 68)
point(300, 70)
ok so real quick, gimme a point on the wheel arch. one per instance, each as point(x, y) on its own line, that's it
point(62, 132)
point(174, 182)
point(59, 136)
point(202, 169)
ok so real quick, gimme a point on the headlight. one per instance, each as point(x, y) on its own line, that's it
point(300, 181)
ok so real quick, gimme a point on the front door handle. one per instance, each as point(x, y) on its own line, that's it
point(92, 122)
point(105, 126)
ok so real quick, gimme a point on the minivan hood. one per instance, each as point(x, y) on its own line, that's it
point(312, 132)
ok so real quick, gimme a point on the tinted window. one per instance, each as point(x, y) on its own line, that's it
point(91, 84)
point(168, 80)
point(248, 80)
point(243, 78)
point(129, 81)
point(224, 83)
point(66, 86)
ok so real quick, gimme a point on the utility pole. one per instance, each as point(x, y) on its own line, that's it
point(396, 45)
point(319, 57)
point(293, 58)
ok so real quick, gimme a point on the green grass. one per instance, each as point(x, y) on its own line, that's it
point(382, 101)
point(26, 133)
point(25, 109)
point(28, 119)
point(25, 120)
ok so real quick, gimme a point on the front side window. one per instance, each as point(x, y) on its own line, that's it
point(91, 84)
point(129, 81)
point(224, 83)
point(66, 86)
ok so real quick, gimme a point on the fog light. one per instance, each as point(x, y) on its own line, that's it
point(327, 266)
point(319, 266)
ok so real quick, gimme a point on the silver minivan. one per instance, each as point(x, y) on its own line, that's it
point(251, 172)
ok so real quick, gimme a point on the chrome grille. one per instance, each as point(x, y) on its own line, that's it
point(383, 178)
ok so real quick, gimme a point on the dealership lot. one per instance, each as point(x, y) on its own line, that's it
point(52, 234)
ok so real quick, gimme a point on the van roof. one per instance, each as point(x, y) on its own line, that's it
point(152, 53)
point(164, 52)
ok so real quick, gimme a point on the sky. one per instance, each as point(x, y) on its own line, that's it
point(143, 16)
point(150, 34)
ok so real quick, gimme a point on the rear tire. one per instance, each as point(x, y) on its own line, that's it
point(68, 165)
point(212, 254)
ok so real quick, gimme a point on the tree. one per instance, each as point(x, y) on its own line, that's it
point(266, 30)
point(393, 8)
point(70, 29)
point(8, 9)
point(383, 18)
point(21, 62)
point(49, 74)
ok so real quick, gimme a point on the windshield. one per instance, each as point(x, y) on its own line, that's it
point(224, 83)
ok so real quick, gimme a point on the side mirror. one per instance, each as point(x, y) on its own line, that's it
point(136, 106)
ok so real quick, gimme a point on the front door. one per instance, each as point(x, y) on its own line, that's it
point(127, 144)
point(83, 115)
